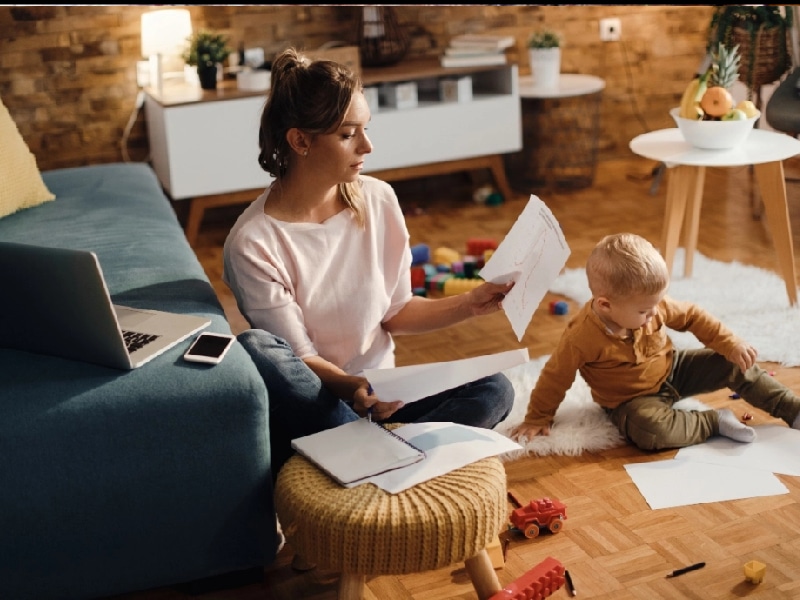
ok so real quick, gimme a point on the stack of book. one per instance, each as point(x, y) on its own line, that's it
point(476, 49)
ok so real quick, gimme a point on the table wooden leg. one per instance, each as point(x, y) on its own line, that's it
point(196, 212)
point(351, 586)
point(482, 574)
point(674, 212)
point(772, 185)
point(498, 169)
point(694, 192)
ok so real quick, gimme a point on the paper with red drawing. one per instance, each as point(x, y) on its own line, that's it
point(532, 254)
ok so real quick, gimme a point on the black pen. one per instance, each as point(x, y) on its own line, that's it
point(570, 586)
point(683, 570)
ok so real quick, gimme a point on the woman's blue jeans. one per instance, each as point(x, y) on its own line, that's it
point(299, 404)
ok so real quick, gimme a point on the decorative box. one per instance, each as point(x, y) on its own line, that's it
point(455, 89)
point(373, 98)
point(399, 95)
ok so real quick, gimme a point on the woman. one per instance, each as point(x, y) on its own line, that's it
point(320, 267)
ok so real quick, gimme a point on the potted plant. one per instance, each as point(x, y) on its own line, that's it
point(761, 32)
point(544, 53)
point(207, 50)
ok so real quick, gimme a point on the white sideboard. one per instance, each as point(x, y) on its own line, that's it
point(204, 143)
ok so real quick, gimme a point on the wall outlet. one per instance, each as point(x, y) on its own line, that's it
point(610, 30)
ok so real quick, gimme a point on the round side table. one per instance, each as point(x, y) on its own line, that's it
point(561, 127)
point(686, 165)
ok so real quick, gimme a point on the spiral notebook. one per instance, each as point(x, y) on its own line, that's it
point(357, 450)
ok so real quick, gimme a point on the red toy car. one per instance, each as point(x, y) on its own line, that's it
point(544, 513)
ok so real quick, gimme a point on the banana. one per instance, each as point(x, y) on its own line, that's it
point(688, 98)
point(692, 96)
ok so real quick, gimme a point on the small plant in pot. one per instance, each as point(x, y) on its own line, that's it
point(207, 50)
point(544, 53)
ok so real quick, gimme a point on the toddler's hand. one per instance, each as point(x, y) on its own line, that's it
point(743, 356)
point(525, 432)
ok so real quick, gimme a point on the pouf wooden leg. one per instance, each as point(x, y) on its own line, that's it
point(351, 586)
point(482, 574)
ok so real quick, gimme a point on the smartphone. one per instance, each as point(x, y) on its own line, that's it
point(209, 348)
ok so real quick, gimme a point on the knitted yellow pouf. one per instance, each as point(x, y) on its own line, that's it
point(365, 531)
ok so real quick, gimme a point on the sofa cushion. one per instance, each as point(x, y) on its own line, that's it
point(21, 184)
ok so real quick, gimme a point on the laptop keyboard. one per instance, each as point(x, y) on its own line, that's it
point(135, 340)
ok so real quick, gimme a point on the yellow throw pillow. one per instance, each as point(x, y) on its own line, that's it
point(21, 184)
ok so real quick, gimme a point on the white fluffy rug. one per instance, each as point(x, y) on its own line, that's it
point(752, 302)
point(579, 426)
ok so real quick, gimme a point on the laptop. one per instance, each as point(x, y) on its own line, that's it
point(55, 301)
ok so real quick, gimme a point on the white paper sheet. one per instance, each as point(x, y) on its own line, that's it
point(447, 446)
point(775, 449)
point(669, 483)
point(532, 254)
point(415, 382)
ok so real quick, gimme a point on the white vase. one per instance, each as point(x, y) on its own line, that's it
point(545, 66)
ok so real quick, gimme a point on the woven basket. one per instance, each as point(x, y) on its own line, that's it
point(381, 39)
point(764, 57)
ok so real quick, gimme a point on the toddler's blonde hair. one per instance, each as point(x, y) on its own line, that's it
point(625, 264)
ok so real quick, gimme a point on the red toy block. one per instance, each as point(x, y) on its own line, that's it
point(477, 246)
point(538, 583)
point(418, 277)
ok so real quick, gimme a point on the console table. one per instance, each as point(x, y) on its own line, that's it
point(763, 149)
point(204, 143)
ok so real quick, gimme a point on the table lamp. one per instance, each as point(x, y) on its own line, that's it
point(164, 36)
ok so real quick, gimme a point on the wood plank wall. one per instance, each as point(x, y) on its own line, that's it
point(68, 73)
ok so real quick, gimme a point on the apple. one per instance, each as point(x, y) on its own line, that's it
point(735, 114)
point(748, 108)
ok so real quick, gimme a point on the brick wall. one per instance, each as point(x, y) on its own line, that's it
point(68, 73)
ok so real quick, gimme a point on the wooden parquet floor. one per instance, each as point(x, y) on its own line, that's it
point(614, 545)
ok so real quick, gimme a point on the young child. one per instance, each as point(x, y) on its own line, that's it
point(619, 344)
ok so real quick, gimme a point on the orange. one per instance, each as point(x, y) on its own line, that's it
point(717, 101)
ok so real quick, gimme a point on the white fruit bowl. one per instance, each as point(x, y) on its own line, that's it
point(714, 135)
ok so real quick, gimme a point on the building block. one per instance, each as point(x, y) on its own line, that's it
point(470, 266)
point(436, 283)
point(418, 277)
point(754, 571)
point(446, 256)
point(559, 308)
point(538, 583)
point(477, 246)
point(420, 254)
point(456, 286)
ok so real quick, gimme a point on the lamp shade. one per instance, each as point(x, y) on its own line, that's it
point(165, 32)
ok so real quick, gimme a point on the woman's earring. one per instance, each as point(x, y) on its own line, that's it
point(305, 152)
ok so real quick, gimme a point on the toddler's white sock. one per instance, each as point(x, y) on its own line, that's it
point(731, 427)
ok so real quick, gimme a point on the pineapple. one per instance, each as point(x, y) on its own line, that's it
point(717, 100)
point(725, 66)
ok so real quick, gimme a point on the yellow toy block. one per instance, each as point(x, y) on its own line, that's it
point(445, 256)
point(455, 286)
point(754, 571)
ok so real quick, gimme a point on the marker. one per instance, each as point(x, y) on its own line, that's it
point(369, 410)
point(683, 570)
point(570, 586)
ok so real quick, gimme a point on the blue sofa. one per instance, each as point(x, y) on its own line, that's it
point(112, 481)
